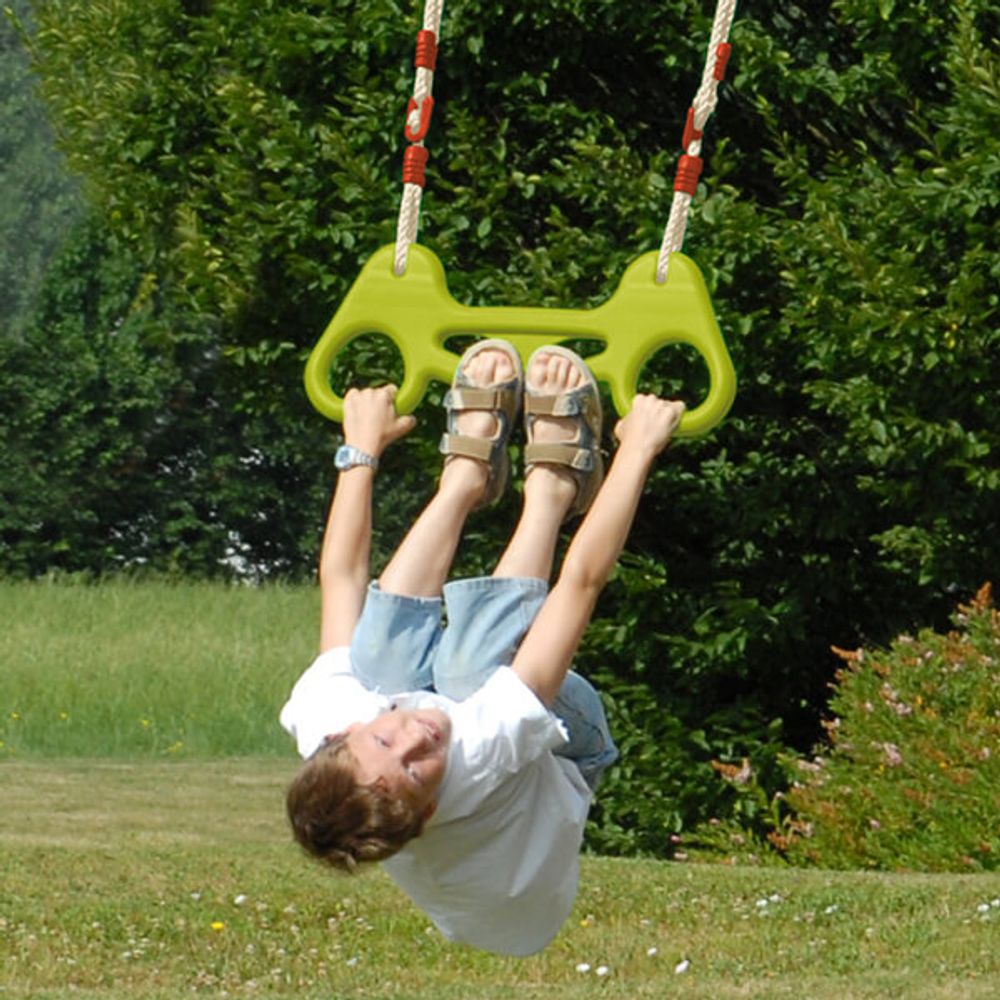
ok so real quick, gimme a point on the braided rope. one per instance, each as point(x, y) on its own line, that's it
point(701, 108)
point(423, 84)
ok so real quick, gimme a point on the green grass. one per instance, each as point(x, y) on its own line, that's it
point(165, 879)
point(149, 669)
point(144, 855)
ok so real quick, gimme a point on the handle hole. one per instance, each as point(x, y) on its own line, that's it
point(368, 359)
point(676, 371)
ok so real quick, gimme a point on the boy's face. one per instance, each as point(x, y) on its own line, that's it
point(404, 749)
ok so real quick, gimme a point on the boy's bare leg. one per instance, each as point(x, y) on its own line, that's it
point(549, 490)
point(423, 560)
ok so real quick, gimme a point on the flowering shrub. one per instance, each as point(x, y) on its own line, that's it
point(910, 778)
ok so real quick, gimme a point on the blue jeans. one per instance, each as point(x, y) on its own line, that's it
point(402, 644)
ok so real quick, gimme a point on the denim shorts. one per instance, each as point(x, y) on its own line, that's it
point(452, 644)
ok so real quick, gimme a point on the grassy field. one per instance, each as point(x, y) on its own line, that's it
point(166, 879)
point(144, 854)
point(152, 669)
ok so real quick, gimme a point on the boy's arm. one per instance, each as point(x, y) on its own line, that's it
point(548, 648)
point(370, 424)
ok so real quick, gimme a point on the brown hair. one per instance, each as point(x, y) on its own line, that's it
point(339, 820)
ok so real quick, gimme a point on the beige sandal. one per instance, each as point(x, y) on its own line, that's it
point(581, 456)
point(503, 400)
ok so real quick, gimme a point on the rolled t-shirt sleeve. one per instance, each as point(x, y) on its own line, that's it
point(326, 699)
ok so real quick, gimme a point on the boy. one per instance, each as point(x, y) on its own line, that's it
point(477, 806)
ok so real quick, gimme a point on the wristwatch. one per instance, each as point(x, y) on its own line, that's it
point(348, 456)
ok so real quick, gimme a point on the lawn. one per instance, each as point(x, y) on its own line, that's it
point(144, 854)
point(159, 879)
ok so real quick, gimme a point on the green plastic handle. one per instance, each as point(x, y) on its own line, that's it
point(419, 314)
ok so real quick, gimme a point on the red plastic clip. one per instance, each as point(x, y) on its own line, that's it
point(414, 161)
point(427, 50)
point(426, 107)
point(688, 172)
point(722, 54)
point(690, 132)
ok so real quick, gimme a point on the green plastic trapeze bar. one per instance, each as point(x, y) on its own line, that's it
point(418, 313)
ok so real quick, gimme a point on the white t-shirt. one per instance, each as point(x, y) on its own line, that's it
point(497, 865)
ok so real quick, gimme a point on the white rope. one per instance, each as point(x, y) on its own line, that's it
point(701, 108)
point(406, 226)
point(423, 84)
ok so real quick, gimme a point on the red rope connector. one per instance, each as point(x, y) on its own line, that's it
point(414, 161)
point(722, 54)
point(690, 132)
point(417, 133)
point(427, 50)
point(688, 172)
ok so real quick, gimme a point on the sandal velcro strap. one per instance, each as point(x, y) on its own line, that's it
point(468, 447)
point(562, 405)
point(477, 398)
point(566, 454)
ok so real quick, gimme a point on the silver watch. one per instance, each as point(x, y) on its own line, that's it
point(348, 456)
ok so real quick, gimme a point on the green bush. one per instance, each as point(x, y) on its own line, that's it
point(910, 778)
point(906, 778)
point(105, 463)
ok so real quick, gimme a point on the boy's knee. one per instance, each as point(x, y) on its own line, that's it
point(462, 668)
point(580, 693)
point(459, 680)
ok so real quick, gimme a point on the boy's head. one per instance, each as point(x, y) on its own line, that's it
point(368, 790)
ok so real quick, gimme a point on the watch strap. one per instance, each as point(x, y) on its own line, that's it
point(348, 457)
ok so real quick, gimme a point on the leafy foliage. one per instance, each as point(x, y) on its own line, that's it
point(117, 448)
point(243, 159)
point(910, 776)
